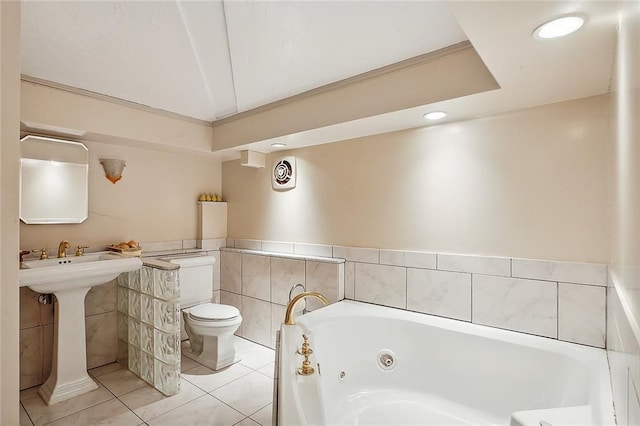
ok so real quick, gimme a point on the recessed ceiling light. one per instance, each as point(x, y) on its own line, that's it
point(435, 115)
point(278, 145)
point(558, 27)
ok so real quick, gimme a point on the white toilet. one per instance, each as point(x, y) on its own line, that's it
point(210, 326)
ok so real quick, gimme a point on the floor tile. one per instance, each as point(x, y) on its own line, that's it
point(247, 422)
point(41, 413)
point(148, 403)
point(24, 417)
point(208, 380)
point(247, 394)
point(264, 416)
point(205, 410)
point(29, 393)
point(106, 369)
point(187, 364)
point(267, 370)
point(256, 356)
point(112, 412)
point(121, 381)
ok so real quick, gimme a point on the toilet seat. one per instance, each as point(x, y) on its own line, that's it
point(212, 312)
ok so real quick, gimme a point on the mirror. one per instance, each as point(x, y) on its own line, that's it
point(54, 177)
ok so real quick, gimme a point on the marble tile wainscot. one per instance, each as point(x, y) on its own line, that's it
point(555, 299)
point(149, 324)
point(258, 284)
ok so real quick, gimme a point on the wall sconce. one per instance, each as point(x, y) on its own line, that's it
point(112, 168)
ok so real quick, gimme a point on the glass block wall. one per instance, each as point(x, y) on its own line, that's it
point(149, 324)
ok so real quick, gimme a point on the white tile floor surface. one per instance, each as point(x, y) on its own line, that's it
point(238, 395)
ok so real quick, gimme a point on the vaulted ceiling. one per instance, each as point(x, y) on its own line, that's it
point(223, 60)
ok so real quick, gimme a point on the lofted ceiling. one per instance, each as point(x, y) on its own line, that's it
point(218, 60)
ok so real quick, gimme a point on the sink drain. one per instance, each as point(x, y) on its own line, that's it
point(386, 360)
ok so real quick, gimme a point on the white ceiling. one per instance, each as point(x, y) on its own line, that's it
point(213, 59)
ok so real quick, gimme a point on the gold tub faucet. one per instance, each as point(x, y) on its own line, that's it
point(62, 248)
point(289, 316)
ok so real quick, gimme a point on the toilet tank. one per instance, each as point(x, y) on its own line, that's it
point(196, 279)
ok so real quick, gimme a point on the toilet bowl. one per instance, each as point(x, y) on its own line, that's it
point(209, 326)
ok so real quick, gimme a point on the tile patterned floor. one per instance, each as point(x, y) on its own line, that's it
point(239, 395)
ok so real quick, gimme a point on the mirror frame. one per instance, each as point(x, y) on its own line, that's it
point(42, 220)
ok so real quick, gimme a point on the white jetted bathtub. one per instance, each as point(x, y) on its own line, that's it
point(383, 366)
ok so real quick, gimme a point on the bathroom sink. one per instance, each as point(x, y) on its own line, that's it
point(70, 279)
point(66, 273)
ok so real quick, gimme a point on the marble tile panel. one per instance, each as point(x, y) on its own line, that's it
point(247, 394)
point(112, 412)
point(102, 338)
point(581, 314)
point(248, 244)
point(277, 247)
point(247, 422)
point(189, 244)
point(486, 265)
point(447, 294)
point(24, 417)
point(325, 278)
point(231, 243)
point(356, 254)
point(208, 380)
point(381, 284)
point(29, 308)
point(211, 244)
point(277, 319)
point(216, 296)
point(102, 298)
point(285, 273)
point(121, 381)
point(570, 272)
point(255, 276)
point(185, 362)
point(47, 350)
point(313, 249)
point(31, 357)
point(41, 413)
point(349, 280)
point(205, 410)
point(412, 259)
point(264, 415)
point(161, 245)
point(256, 320)
point(233, 299)
point(231, 272)
point(528, 306)
point(216, 270)
point(147, 403)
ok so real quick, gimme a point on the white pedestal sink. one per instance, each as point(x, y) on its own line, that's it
point(69, 279)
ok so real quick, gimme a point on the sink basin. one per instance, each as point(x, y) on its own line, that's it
point(70, 279)
point(66, 273)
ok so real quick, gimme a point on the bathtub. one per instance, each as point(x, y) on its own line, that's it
point(384, 366)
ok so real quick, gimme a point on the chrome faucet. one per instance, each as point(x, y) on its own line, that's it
point(62, 248)
point(289, 317)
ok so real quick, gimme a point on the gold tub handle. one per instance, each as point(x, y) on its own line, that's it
point(289, 315)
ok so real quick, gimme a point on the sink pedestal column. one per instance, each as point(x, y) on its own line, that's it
point(69, 377)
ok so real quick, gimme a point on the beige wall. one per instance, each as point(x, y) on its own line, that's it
point(154, 201)
point(625, 262)
point(531, 183)
point(9, 154)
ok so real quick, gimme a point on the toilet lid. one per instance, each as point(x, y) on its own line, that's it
point(213, 311)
